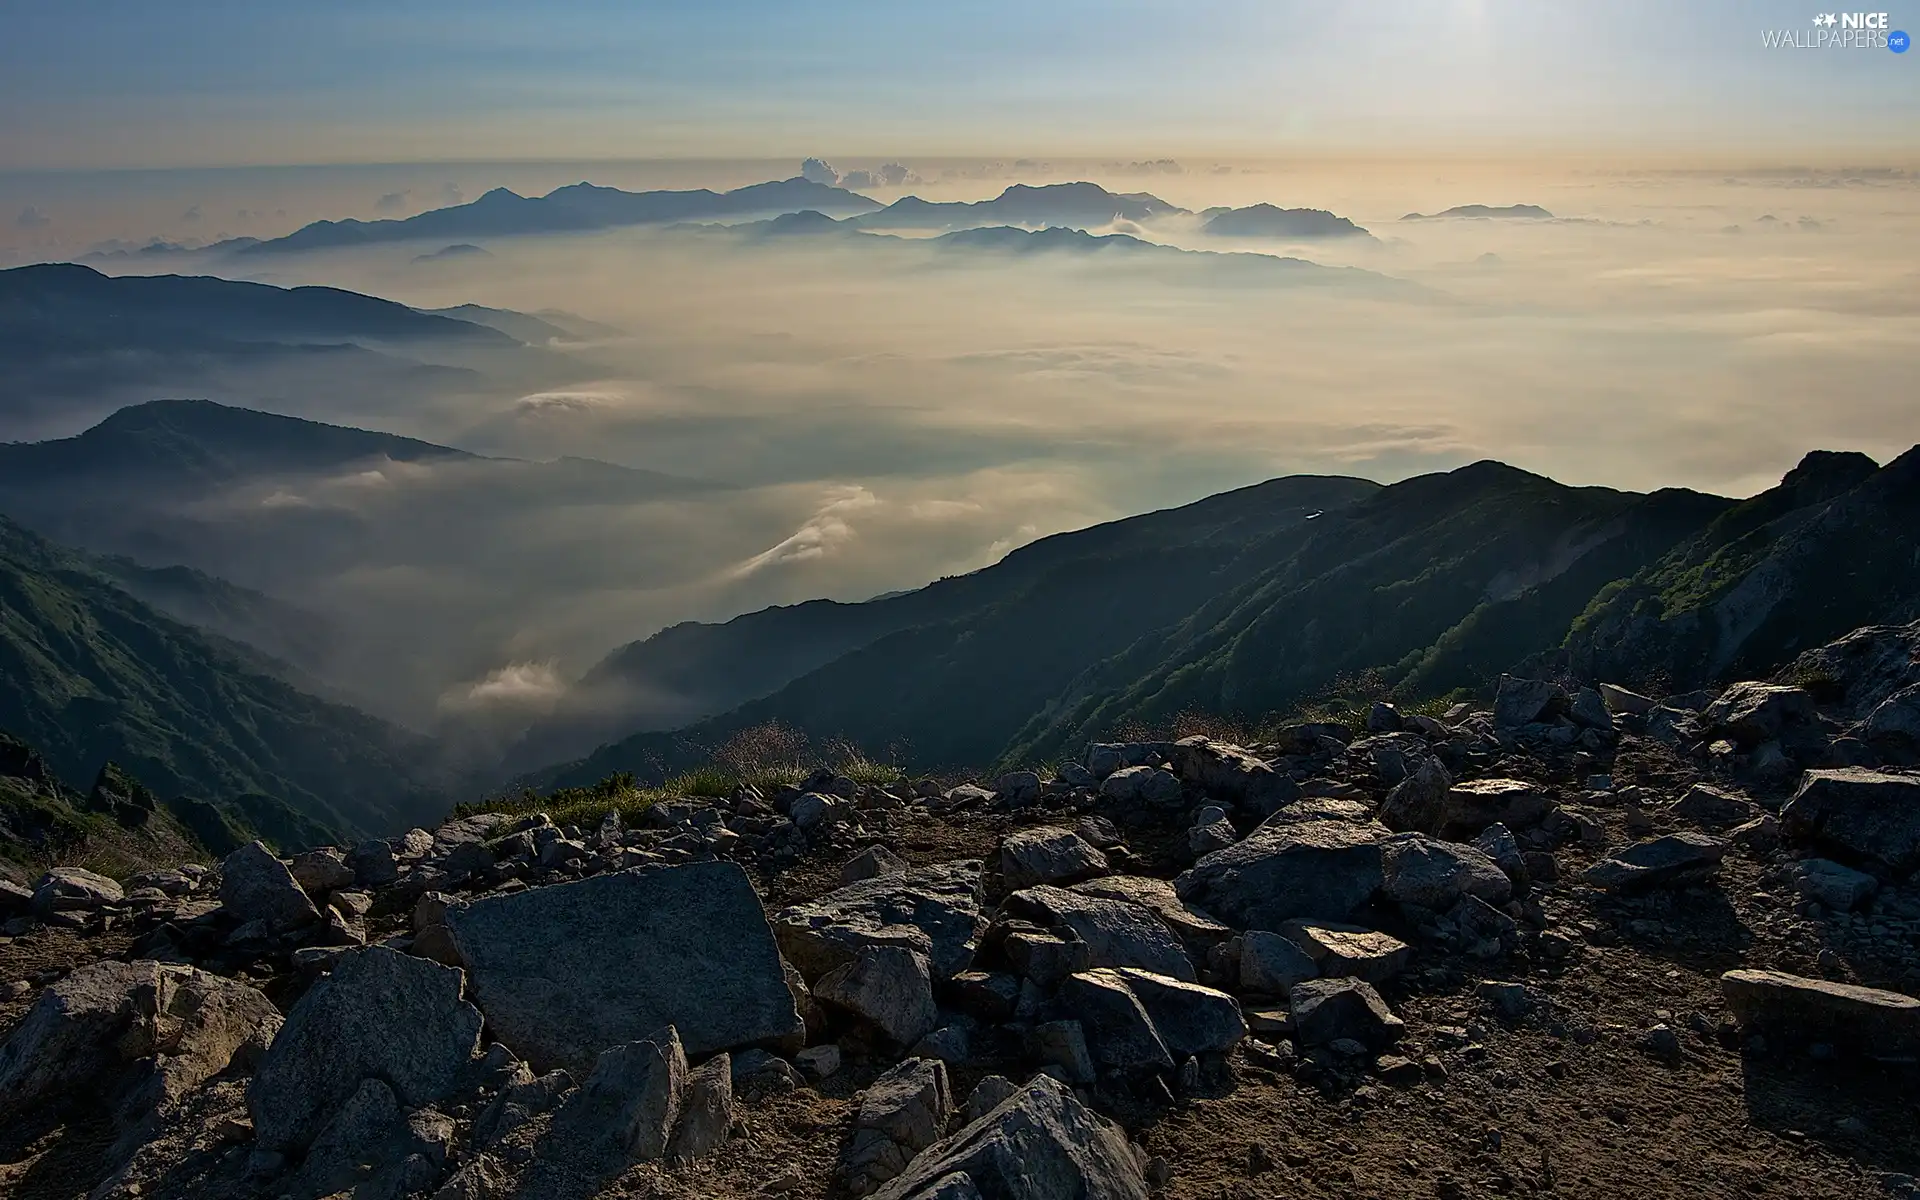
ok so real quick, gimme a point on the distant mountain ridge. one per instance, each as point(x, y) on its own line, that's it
point(1526, 212)
point(576, 208)
point(1435, 584)
point(1267, 221)
point(1073, 205)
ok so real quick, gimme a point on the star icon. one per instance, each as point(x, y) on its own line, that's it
point(1827, 19)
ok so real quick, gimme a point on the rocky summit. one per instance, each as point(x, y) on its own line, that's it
point(1571, 939)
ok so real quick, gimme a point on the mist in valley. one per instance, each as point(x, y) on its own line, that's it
point(844, 415)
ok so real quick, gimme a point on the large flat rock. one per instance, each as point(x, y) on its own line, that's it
point(565, 972)
point(933, 910)
point(1864, 813)
point(1880, 1023)
point(1317, 868)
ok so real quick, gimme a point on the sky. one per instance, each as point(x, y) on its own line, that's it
point(92, 84)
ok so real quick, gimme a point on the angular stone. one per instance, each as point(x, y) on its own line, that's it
point(1432, 874)
point(15, 900)
point(1272, 964)
point(1038, 1144)
point(524, 1097)
point(1620, 700)
point(1190, 1019)
point(1119, 1033)
point(73, 889)
point(1117, 933)
point(1880, 1023)
point(256, 886)
point(1669, 861)
point(1322, 868)
point(1048, 856)
point(902, 1112)
point(706, 1110)
point(1497, 842)
point(888, 987)
point(989, 995)
point(624, 1113)
point(1751, 713)
point(1865, 813)
point(321, 871)
point(1227, 772)
point(1104, 758)
point(1326, 1010)
point(1044, 956)
point(872, 863)
point(1837, 888)
point(1213, 831)
point(1519, 702)
point(1590, 709)
point(1712, 808)
point(1018, 788)
point(1346, 951)
point(1063, 1046)
point(374, 864)
point(376, 1014)
point(933, 910)
point(566, 971)
point(1198, 930)
point(1142, 785)
point(993, 1090)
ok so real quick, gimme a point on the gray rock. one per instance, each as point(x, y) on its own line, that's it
point(1198, 930)
point(1519, 702)
point(1325, 1010)
point(1018, 788)
point(758, 1073)
point(1190, 1019)
point(1422, 871)
point(1751, 713)
point(1104, 758)
point(1712, 808)
point(1880, 1023)
point(1211, 831)
point(888, 987)
point(933, 910)
point(816, 811)
point(1119, 1033)
point(991, 1092)
point(15, 900)
point(1620, 700)
point(872, 863)
point(1394, 757)
point(1835, 887)
point(321, 871)
point(903, 1112)
point(1894, 721)
point(1497, 842)
point(1419, 801)
point(1383, 718)
point(1670, 861)
point(1142, 785)
point(374, 1149)
point(1038, 1144)
point(564, 972)
point(952, 1043)
point(1045, 957)
point(256, 886)
point(1061, 1045)
point(1059, 856)
point(376, 1014)
point(374, 864)
point(1273, 964)
point(1590, 709)
point(1511, 1001)
point(706, 1110)
point(524, 1097)
point(1349, 951)
point(1676, 726)
point(1229, 773)
point(1117, 933)
point(1316, 868)
point(1865, 813)
point(480, 1178)
point(821, 1062)
point(182, 1025)
point(625, 1113)
point(989, 995)
point(73, 889)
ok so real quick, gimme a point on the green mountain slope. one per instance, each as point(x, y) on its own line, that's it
point(88, 674)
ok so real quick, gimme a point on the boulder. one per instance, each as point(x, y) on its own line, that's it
point(1037, 856)
point(1712, 808)
point(374, 864)
point(1198, 930)
point(15, 900)
point(373, 1148)
point(1895, 721)
point(1879, 1023)
point(1272, 963)
point(377, 1014)
point(1497, 842)
point(1327, 1010)
point(1315, 868)
point(1671, 861)
point(872, 863)
point(706, 1110)
point(1061, 1045)
point(73, 889)
point(1464, 809)
point(1835, 887)
point(1624, 702)
point(1018, 788)
point(1348, 951)
point(173, 1026)
point(901, 1113)
point(625, 1113)
point(1589, 708)
point(1117, 933)
point(1752, 713)
point(1040, 1143)
point(1142, 785)
point(932, 910)
point(1045, 957)
point(524, 1097)
point(321, 871)
point(888, 987)
point(1104, 758)
point(1427, 873)
point(1519, 702)
point(1864, 813)
point(1120, 1035)
point(256, 886)
point(1211, 831)
point(566, 971)
point(1419, 801)
point(1190, 1019)
point(1227, 772)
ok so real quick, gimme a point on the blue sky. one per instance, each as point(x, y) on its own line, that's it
point(91, 83)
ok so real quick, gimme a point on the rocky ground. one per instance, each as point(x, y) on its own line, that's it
point(1579, 943)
